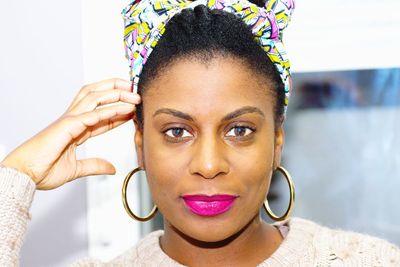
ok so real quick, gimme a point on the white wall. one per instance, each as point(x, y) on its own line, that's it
point(344, 35)
point(40, 72)
point(48, 51)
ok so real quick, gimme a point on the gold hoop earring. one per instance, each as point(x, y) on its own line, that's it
point(291, 201)
point(125, 201)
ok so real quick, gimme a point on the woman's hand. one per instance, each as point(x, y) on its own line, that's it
point(49, 157)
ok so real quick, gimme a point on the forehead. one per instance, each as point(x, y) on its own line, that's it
point(208, 88)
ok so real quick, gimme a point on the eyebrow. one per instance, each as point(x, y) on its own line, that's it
point(230, 116)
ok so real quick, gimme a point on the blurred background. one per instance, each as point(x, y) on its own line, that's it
point(342, 128)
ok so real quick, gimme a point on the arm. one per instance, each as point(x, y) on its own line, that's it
point(48, 160)
point(16, 194)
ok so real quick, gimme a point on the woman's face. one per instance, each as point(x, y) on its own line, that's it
point(208, 130)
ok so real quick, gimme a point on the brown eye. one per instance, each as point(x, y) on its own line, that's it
point(240, 131)
point(177, 133)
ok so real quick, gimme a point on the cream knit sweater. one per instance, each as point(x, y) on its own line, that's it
point(305, 244)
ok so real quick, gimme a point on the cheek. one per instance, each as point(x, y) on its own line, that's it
point(253, 169)
point(255, 177)
point(164, 170)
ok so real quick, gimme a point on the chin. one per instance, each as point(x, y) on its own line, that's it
point(209, 230)
point(211, 234)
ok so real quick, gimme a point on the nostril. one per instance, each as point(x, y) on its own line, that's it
point(210, 170)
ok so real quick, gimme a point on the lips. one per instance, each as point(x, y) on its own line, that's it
point(204, 205)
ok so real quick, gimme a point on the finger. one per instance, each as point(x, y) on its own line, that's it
point(103, 127)
point(95, 99)
point(109, 84)
point(75, 126)
point(93, 166)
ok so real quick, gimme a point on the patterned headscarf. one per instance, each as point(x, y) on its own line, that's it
point(145, 23)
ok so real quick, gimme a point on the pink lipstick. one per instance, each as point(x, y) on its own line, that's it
point(204, 205)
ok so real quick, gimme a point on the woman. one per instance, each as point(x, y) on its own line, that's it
point(209, 135)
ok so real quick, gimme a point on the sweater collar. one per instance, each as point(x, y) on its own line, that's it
point(298, 239)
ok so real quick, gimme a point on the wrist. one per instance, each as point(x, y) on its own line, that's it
point(7, 163)
point(16, 185)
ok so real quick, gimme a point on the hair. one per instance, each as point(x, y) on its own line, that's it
point(204, 34)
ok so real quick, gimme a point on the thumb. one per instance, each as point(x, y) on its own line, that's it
point(93, 166)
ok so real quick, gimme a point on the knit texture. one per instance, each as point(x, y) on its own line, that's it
point(16, 193)
point(305, 244)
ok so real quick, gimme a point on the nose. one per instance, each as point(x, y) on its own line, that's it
point(208, 160)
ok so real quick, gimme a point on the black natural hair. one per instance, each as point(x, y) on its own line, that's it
point(203, 34)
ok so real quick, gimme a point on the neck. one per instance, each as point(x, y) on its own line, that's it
point(250, 246)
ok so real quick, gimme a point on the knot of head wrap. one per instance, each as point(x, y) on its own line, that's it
point(145, 23)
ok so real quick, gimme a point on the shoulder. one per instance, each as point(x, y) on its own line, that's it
point(343, 246)
point(145, 253)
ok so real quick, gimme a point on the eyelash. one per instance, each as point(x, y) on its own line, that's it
point(179, 139)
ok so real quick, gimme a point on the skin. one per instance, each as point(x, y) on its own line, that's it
point(193, 143)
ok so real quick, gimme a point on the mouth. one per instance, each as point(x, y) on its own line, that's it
point(208, 206)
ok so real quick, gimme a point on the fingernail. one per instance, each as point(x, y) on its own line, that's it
point(135, 97)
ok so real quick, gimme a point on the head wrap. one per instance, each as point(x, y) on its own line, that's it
point(145, 23)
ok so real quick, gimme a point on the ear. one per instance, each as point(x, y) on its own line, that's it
point(139, 143)
point(279, 141)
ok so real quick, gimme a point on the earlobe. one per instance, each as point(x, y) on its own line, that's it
point(139, 143)
point(279, 141)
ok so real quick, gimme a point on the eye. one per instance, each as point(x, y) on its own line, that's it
point(177, 133)
point(240, 131)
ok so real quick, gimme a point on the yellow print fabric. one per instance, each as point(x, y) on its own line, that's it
point(145, 23)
